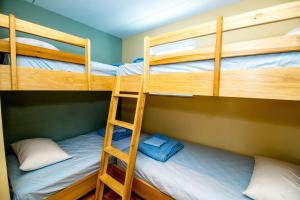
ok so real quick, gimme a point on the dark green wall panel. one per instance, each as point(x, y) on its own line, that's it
point(57, 115)
point(106, 48)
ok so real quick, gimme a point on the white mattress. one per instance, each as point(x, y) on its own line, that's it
point(39, 184)
point(197, 172)
point(291, 59)
point(39, 63)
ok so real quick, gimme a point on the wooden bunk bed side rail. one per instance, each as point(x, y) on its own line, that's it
point(23, 79)
point(258, 17)
point(42, 31)
point(34, 51)
point(278, 44)
point(77, 189)
point(41, 80)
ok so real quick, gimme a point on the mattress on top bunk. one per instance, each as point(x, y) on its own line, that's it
point(290, 59)
point(97, 68)
point(198, 172)
point(39, 184)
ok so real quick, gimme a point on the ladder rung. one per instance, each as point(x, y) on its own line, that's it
point(127, 95)
point(112, 183)
point(117, 153)
point(122, 124)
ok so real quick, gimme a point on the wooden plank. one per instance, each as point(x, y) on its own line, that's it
point(273, 83)
point(34, 51)
point(13, 56)
point(4, 186)
point(77, 189)
point(112, 183)
point(134, 96)
point(278, 44)
point(146, 64)
point(218, 54)
point(102, 83)
point(267, 15)
point(5, 79)
point(117, 153)
point(4, 21)
point(140, 187)
point(129, 83)
point(42, 31)
point(122, 124)
point(258, 17)
point(87, 49)
point(183, 34)
point(195, 83)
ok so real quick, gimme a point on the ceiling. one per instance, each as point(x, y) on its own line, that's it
point(123, 18)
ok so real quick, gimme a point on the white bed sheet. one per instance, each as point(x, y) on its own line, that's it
point(39, 184)
point(197, 172)
point(291, 59)
point(39, 63)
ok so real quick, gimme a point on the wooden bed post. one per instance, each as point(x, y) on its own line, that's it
point(218, 55)
point(146, 64)
point(13, 56)
point(87, 49)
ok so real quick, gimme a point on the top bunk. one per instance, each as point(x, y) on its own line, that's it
point(267, 68)
point(46, 67)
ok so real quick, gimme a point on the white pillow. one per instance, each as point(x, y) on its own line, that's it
point(37, 153)
point(35, 42)
point(274, 180)
point(295, 31)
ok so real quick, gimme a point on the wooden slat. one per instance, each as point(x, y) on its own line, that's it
point(112, 183)
point(42, 31)
point(278, 44)
point(117, 153)
point(88, 63)
point(218, 54)
point(267, 15)
point(34, 51)
point(102, 83)
point(196, 83)
point(262, 16)
point(146, 64)
point(129, 83)
point(77, 189)
point(13, 56)
point(134, 96)
point(5, 79)
point(273, 83)
point(122, 124)
point(4, 21)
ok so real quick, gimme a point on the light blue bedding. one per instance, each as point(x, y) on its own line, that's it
point(39, 184)
point(291, 59)
point(161, 153)
point(39, 63)
point(198, 172)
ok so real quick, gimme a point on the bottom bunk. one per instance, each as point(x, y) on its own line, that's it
point(197, 172)
point(74, 176)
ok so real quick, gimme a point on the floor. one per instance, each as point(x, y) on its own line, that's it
point(108, 195)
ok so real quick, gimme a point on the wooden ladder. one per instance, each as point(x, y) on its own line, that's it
point(105, 179)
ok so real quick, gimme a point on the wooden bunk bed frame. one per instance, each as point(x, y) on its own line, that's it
point(279, 83)
point(13, 77)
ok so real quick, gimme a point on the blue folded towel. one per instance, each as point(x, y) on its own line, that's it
point(118, 134)
point(164, 152)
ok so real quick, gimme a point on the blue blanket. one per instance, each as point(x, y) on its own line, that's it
point(164, 152)
point(118, 134)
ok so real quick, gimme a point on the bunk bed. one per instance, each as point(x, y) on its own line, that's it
point(266, 82)
point(35, 77)
point(278, 80)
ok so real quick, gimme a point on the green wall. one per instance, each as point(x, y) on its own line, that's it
point(106, 48)
point(57, 115)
